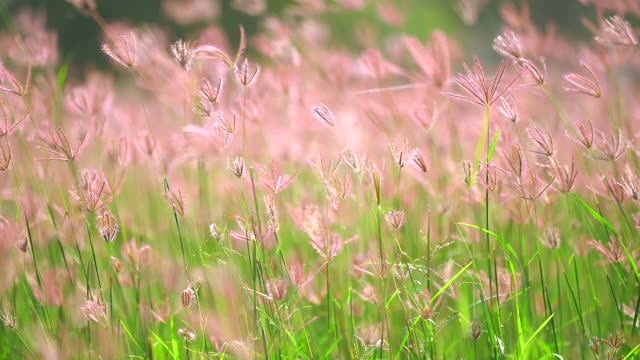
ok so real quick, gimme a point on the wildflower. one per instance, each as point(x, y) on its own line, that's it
point(508, 107)
point(8, 320)
point(5, 154)
point(108, 226)
point(208, 98)
point(188, 295)
point(566, 176)
point(376, 178)
point(90, 191)
point(585, 135)
point(400, 154)
point(60, 147)
point(544, 141)
point(277, 289)
point(86, 6)
point(323, 114)
point(95, 310)
point(116, 264)
point(123, 50)
point(533, 71)
point(469, 10)
point(272, 212)
point(245, 74)
point(183, 53)
point(434, 59)
point(395, 218)
point(417, 160)
point(325, 169)
point(22, 244)
point(610, 149)
point(187, 334)
point(508, 45)
point(616, 31)
point(215, 54)
point(4, 131)
point(16, 87)
point(228, 126)
point(551, 238)
point(478, 89)
point(273, 182)
point(476, 331)
point(515, 161)
point(338, 190)
point(175, 200)
point(352, 160)
point(630, 185)
point(613, 252)
point(236, 167)
point(582, 84)
point(215, 232)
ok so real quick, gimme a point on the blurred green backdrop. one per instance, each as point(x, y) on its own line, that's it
point(79, 39)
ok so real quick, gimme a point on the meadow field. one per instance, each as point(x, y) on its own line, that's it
point(316, 187)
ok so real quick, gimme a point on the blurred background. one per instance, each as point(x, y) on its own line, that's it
point(79, 37)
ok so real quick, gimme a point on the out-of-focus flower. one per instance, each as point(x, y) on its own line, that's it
point(90, 191)
point(185, 12)
point(582, 84)
point(616, 31)
point(323, 114)
point(122, 50)
point(108, 226)
point(246, 74)
point(183, 53)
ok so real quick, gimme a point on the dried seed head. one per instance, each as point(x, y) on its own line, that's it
point(183, 53)
point(116, 264)
point(515, 161)
point(323, 114)
point(395, 218)
point(616, 31)
point(108, 226)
